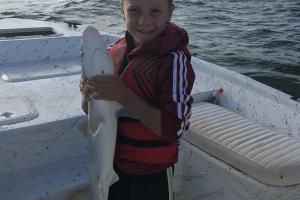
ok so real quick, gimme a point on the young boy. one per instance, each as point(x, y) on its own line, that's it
point(153, 81)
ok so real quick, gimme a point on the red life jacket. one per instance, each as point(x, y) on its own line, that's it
point(136, 142)
point(138, 149)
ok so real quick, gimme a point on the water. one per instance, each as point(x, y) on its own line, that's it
point(258, 38)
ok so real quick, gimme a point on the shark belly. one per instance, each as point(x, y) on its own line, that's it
point(101, 128)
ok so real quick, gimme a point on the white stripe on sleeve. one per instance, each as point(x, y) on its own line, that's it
point(179, 89)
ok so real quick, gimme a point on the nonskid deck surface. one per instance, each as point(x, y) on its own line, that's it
point(42, 155)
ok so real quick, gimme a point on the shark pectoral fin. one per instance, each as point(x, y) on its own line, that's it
point(94, 134)
point(95, 130)
point(86, 130)
point(117, 106)
point(83, 127)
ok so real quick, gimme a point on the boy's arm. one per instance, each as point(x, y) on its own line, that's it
point(177, 81)
point(112, 88)
point(170, 121)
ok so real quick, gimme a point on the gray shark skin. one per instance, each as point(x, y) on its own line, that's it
point(101, 127)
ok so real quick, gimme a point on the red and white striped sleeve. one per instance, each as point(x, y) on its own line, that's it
point(176, 97)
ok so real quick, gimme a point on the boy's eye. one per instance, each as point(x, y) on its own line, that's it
point(133, 10)
point(156, 11)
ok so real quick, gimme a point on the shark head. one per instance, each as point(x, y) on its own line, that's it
point(95, 58)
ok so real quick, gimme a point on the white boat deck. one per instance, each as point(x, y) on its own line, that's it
point(44, 153)
point(39, 152)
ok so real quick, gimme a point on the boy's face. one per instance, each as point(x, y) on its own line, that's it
point(146, 19)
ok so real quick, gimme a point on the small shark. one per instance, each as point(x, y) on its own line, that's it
point(101, 126)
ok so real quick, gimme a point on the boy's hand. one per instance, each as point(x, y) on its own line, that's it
point(107, 87)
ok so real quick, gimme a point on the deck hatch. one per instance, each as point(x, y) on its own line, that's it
point(15, 110)
point(39, 31)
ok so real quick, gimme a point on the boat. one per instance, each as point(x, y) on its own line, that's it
point(246, 145)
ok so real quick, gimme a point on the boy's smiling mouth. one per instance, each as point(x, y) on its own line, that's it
point(144, 31)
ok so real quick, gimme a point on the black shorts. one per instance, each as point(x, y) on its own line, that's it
point(156, 186)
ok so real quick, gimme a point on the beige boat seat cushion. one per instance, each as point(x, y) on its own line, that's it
point(266, 155)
